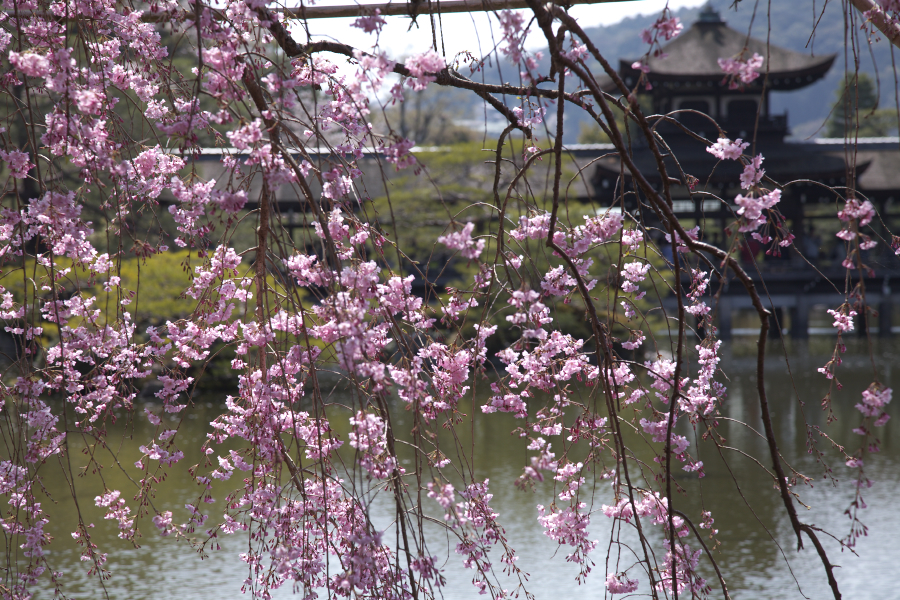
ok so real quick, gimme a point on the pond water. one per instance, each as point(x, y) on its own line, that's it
point(758, 554)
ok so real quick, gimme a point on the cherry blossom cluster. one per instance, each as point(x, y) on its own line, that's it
point(462, 241)
point(478, 527)
point(854, 216)
point(758, 208)
point(873, 402)
point(679, 571)
point(843, 319)
point(618, 583)
point(726, 149)
point(665, 28)
point(368, 437)
point(512, 26)
point(371, 23)
point(752, 207)
point(740, 72)
point(679, 244)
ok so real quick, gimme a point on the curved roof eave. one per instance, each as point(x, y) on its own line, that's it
point(777, 80)
point(695, 54)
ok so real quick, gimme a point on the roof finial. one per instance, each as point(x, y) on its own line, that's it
point(709, 15)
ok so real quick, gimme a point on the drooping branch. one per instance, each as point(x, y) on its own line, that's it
point(447, 77)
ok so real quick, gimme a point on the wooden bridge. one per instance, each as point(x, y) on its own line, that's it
point(792, 293)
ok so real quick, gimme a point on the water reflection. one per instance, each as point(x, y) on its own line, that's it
point(753, 565)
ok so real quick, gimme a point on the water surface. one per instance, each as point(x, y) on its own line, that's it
point(758, 553)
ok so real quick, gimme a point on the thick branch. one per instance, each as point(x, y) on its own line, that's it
point(349, 10)
point(829, 568)
point(887, 26)
point(422, 8)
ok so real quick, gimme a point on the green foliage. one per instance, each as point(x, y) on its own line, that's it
point(420, 207)
point(590, 133)
point(160, 282)
point(856, 113)
point(156, 285)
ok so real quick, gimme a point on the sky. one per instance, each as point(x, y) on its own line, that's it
point(463, 31)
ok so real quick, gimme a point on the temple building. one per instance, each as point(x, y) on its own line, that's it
point(687, 76)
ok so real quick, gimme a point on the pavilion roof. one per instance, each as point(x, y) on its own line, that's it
point(693, 57)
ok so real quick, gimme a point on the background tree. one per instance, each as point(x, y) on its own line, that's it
point(856, 112)
point(432, 117)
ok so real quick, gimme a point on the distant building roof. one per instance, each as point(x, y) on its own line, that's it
point(693, 57)
point(216, 153)
point(881, 155)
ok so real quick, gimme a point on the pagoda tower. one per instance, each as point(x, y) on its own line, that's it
point(687, 76)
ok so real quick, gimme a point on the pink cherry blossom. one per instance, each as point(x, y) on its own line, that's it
point(665, 28)
point(371, 23)
point(751, 208)
point(745, 71)
point(618, 583)
point(424, 68)
point(843, 320)
point(725, 149)
point(753, 173)
point(31, 64)
point(19, 162)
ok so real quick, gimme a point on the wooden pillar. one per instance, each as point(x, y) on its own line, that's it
point(885, 317)
point(699, 329)
point(776, 321)
point(800, 318)
point(725, 318)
